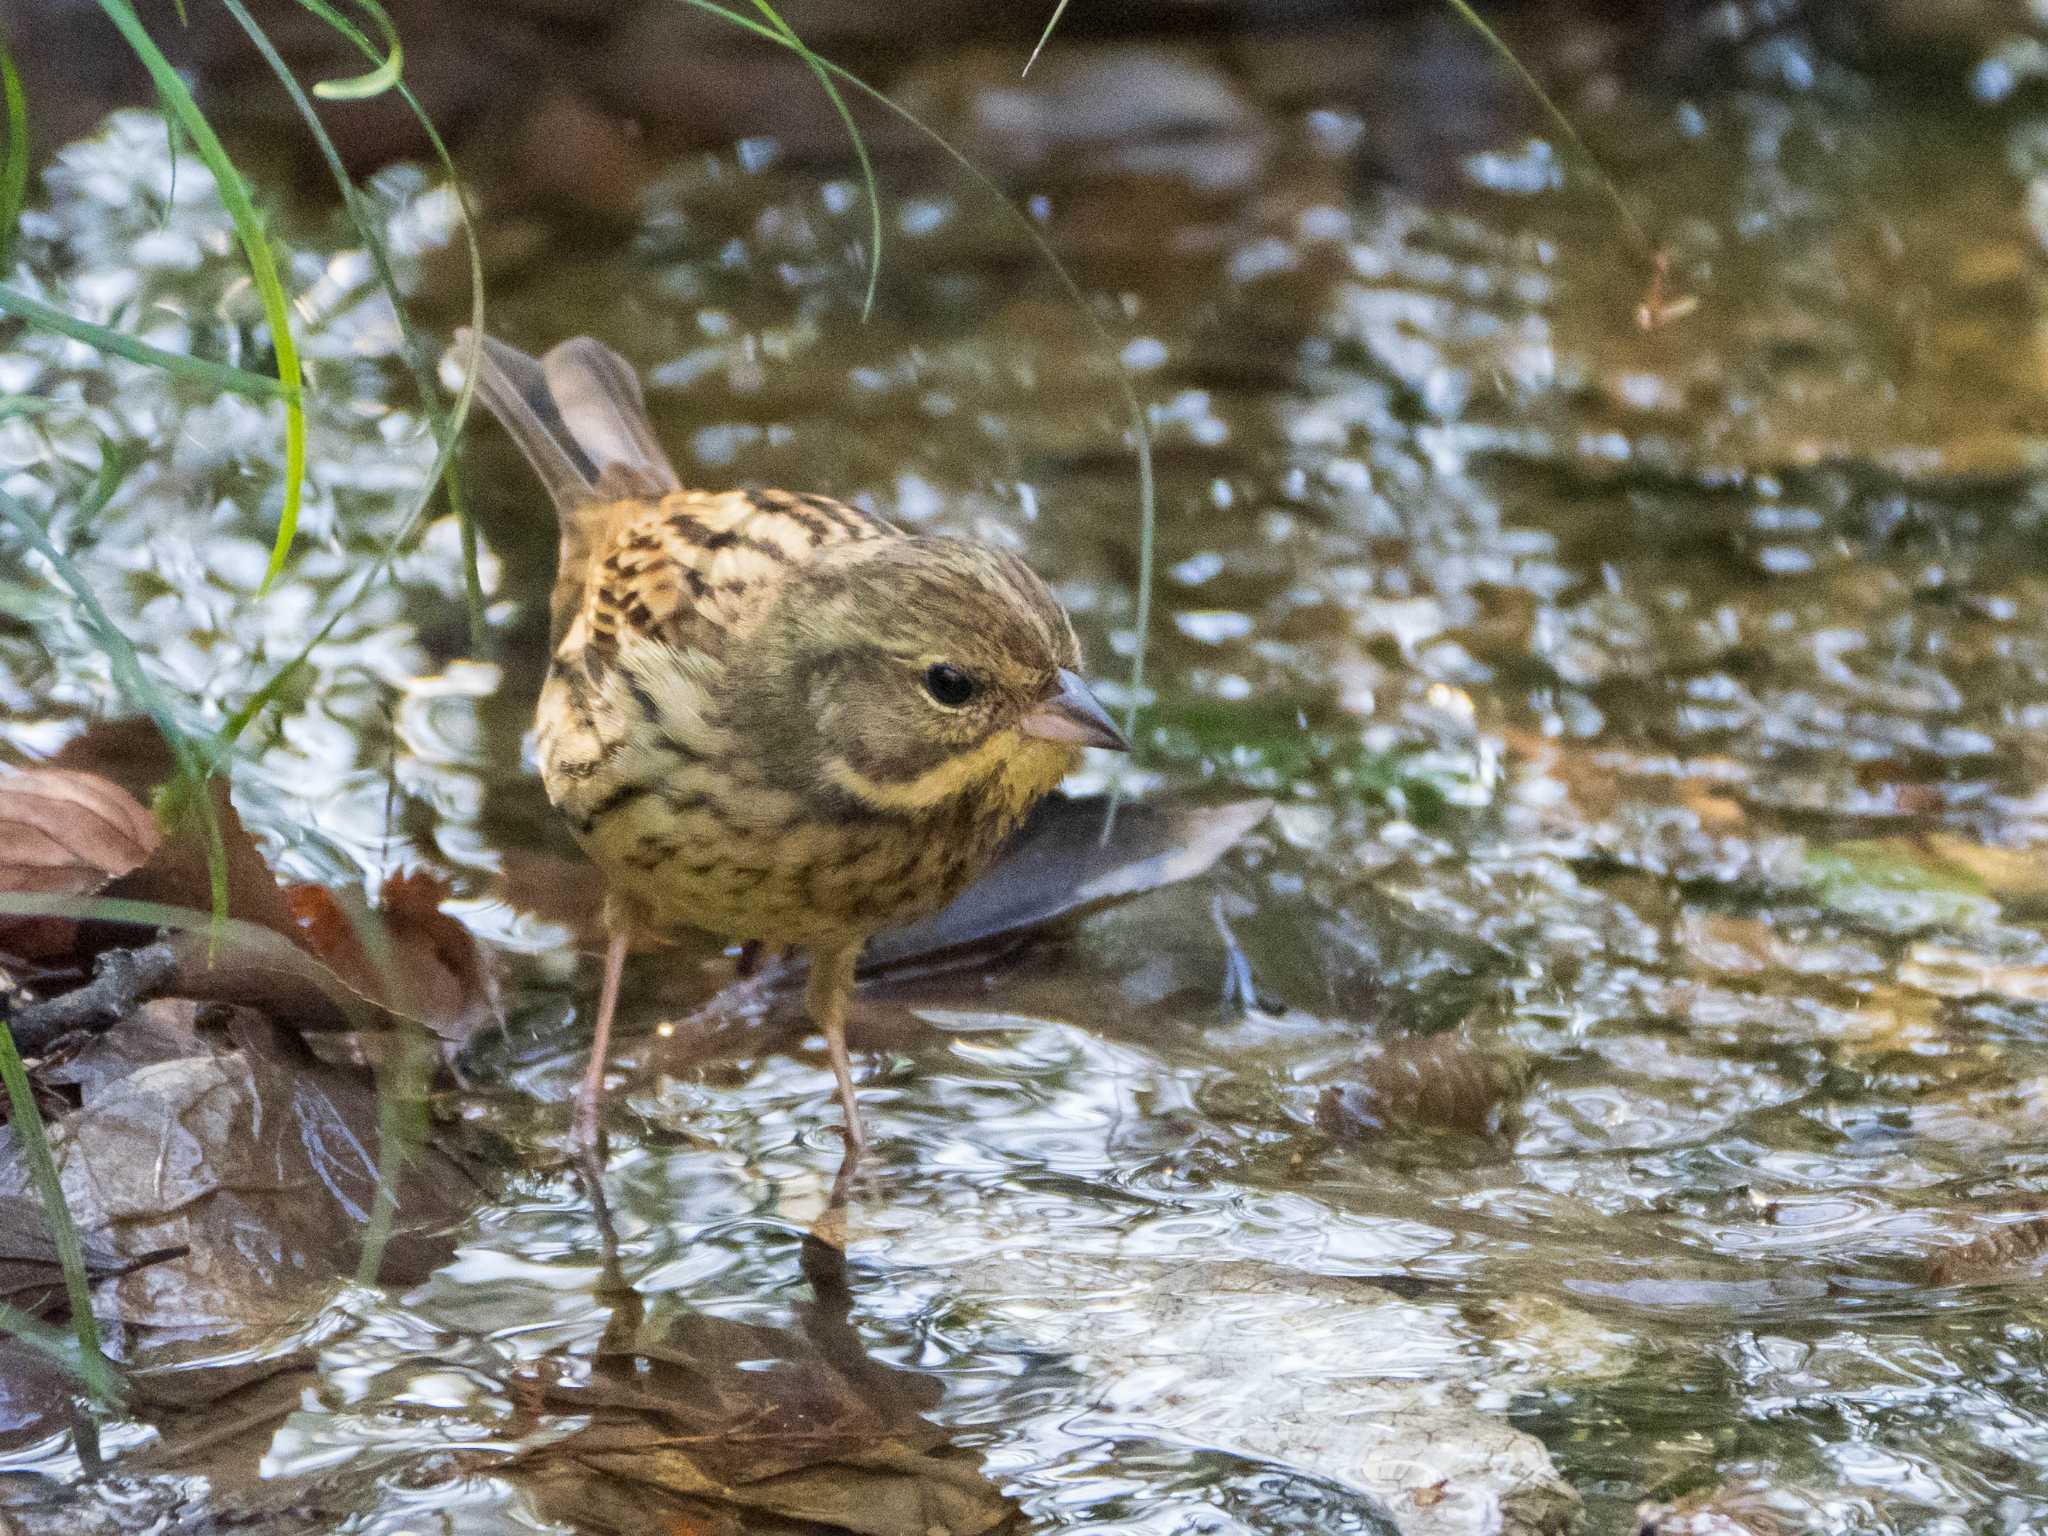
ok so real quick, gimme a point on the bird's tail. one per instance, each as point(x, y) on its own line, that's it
point(579, 417)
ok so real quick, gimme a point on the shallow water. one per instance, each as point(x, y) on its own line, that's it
point(1661, 710)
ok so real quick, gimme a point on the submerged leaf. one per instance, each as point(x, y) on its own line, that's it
point(716, 1423)
point(1898, 886)
point(251, 1154)
point(2003, 1253)
point(1440, 1083)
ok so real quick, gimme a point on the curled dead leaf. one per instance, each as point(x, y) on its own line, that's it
point(65, 833)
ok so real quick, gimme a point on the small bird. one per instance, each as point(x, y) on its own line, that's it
point(773, 717)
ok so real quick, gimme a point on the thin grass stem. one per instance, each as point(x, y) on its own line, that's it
point(445, 428)
point(241, 207)
point(860, 148)
point(26, 1121)
point(1044, 37)
point(222, 376)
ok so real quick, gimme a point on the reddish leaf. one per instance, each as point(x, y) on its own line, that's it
point(408, 957)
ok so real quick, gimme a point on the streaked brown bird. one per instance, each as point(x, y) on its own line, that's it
point(770, 716)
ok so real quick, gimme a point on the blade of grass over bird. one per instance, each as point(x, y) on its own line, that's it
point(446, 425)
point(197, 370)
point(1044, 37)
point(389, 70)
point(241, 207)
point(1141, 433)
point(860, 148)
point(444, 459)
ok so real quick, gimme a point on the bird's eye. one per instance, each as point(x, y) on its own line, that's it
point(948, 685)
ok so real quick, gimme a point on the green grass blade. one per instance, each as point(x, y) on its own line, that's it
point(1141, 432)
point(222, 376)
point(14, 170)
point(136, 686)
point(264, 696)
point(379, 80)
point(27, 1124)
point(446, 427)
point(817, 67)
point(234, 195)
point(1636, 233)
point(1044, 37)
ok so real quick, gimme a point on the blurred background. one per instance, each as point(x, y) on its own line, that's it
point(1616, 1069)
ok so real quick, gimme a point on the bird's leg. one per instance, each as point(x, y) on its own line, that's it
point(586, 1125)
point(586, 1129)
point(830, 991)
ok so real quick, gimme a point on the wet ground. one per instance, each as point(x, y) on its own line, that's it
point(1655, 720)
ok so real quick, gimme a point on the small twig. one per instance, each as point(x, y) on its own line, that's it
point(121, 979)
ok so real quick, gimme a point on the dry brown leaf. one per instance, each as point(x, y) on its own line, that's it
point(233, 1142)
point(133, 755)
point(64, 833)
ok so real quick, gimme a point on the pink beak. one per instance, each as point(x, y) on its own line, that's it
point(1072, 715)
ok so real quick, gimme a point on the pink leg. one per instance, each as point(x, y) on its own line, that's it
point(586, 1129)
point(831, 990)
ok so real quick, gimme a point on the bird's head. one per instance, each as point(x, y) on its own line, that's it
point(905, 673)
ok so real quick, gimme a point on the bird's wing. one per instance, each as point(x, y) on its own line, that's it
point(695, 570)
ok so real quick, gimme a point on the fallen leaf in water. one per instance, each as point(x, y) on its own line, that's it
point(36, 1394)
point(31, 1274)
point(1441, 1083)
point(720, 1422)
point(132, 754)
point(64, 833)
point(257, 1158)
point(1061, 867)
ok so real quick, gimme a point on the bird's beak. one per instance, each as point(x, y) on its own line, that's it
point(1072, 715)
